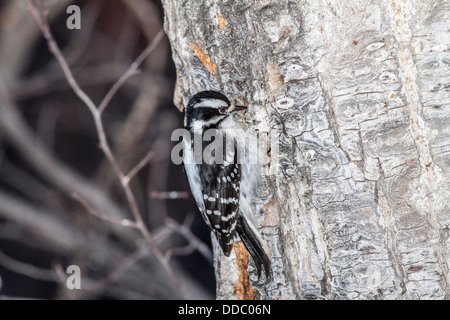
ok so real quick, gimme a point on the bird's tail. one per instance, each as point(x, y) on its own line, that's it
point(256, 246)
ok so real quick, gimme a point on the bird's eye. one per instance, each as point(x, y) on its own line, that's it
point(222, 110)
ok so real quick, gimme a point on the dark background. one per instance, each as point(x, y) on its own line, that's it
point(140, 118)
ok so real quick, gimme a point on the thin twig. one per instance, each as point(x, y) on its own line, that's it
point(190, 237)
point(138, 167)
point(132, 70)
point(42, 20)
point(60, 274)
point(118, 272)
point(27, 269)
point(169, 194)
point(180, 251)
point(100, 215)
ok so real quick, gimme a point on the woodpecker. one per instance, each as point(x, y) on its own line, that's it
point(223, 187)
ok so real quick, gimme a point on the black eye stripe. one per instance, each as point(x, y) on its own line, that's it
point(210, 111)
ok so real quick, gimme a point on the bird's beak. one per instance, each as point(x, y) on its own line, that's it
point(235, 108)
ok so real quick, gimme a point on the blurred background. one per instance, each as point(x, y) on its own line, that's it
point(49, 150)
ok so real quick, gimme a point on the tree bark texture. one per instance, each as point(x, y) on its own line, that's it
point(353, 97)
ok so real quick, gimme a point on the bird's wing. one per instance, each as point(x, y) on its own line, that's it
point(221, 198)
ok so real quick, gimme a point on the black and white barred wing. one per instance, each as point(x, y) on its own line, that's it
point(221, 201)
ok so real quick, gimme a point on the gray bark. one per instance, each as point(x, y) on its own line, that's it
point(354, 95)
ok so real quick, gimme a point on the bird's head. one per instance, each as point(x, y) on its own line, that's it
point(208, 109)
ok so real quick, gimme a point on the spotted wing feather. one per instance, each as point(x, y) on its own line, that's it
point(221, 200)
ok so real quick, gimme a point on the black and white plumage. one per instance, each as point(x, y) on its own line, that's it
point(223, 189)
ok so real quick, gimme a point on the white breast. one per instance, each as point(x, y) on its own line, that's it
point(192, 173)
point(252, 158)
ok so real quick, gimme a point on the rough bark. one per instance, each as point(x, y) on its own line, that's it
point(355, 96)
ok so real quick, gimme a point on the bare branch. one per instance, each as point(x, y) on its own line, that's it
point(27, 269)
point(169, 194)
point(132, 70)
point(180, 251)
point(37, 221)
point(41, 18)
point(191, 238)
point(138, 167)
point(118, 272)
point(98, 214)
point(59, 271)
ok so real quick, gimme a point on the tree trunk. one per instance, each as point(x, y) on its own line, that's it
point(353, 97)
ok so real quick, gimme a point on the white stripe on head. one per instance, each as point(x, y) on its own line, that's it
point(212, 103)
